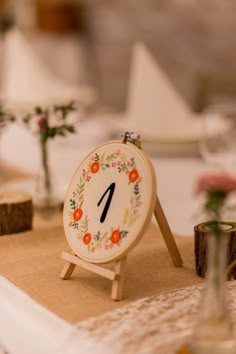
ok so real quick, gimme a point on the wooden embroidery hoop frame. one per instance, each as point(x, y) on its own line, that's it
point(117, 275)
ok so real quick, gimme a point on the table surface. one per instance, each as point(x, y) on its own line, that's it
point(176, 177)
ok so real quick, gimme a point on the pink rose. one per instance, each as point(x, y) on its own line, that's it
point(43, 123)
point(216, 183)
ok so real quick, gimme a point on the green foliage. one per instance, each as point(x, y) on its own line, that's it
point(215, 202)
point(124, 233)
point(72, 204)
point(96, 158)
point(132, 162)
point(59, 127)
point(84, 225)
point(98, 235)
point(38, 110)
point(136, 188)
point(80, 187)
point(5, 117)
point(64, 110)
point(122, 167)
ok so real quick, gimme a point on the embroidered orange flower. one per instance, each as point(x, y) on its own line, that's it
point(133, 175)
point(95, 167)
point(77, 214)
point(115, 236)
point(87, 238)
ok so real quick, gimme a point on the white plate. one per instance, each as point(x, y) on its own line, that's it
point(185, 142)
point(171, 149)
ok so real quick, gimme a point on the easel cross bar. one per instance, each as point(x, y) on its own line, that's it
point(106, 273)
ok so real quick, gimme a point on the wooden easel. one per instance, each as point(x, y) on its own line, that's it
point(117, 275)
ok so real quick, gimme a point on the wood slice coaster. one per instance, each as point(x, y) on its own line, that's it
point(200, 248)
point(16, 212)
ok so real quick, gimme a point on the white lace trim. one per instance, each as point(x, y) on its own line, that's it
point(157, 324)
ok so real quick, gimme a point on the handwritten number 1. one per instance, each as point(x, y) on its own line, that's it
point(111, 190)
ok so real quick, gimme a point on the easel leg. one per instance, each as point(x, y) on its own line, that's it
point(67, 270)
point(118, 282)
point(167, 234)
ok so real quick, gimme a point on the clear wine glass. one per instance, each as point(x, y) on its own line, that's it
point(218, 141)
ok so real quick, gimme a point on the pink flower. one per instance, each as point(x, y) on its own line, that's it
point(43, 123)
point(216, 183)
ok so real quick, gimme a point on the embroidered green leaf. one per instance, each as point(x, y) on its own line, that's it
point(80, 188)
point(81, 203)
point(113, 157)
point(102, 158)
point(75, 225)
point(79, 236)
point(132, 162)
point(124, 233)
point(84, 224)
point(98, 234)
point(96, 158)
point(126, 215)
point(72, 204)
point(136, 188)
point(123, 157)
point(104, 236)
point(132, 220)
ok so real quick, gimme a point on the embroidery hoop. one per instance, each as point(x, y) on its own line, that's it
point(132, 182)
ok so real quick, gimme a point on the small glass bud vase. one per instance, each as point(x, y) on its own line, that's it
point(46, 201)
point(214, 331)
point(1, 167)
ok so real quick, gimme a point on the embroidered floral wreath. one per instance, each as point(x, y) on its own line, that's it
point(80, 221)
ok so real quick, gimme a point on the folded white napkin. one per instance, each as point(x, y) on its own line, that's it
point(155, 109)
point(28, 328)
point(27, 80)
point(25, 326)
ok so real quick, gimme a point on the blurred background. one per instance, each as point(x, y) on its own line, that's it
point(90, 42)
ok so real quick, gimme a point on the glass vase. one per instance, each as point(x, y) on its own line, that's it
point(46, 201)
point(1, 164)
point(214, 331)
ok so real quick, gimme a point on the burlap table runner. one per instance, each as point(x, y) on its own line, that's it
point(32, 261)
